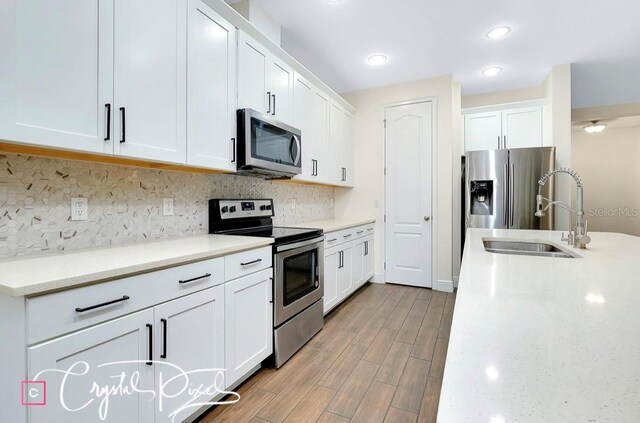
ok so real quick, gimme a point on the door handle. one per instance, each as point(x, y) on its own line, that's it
point(233, 154)
point(269, 99)
point(122, 124)
point(427, 218)
point(107, 108)
point(511, 192)
point(164, 338)
point(150, 329)
point(504, 141)
point(505, 194)
point(274, 104)
point(499, 142)
point(296, 158)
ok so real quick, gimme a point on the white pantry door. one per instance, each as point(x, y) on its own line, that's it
point(408, 194)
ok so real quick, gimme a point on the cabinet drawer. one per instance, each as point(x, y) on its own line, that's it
point(362, 231)
point(67, 311)
point(247, 262)
point(340, 237)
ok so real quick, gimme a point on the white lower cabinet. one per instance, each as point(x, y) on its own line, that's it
point(249, 323)
point(161, 363)
point(189, 337)
point(95, 358)
point(331, 263)
point(348, 263)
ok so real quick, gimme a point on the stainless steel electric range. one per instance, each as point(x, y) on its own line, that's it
point(298, 269)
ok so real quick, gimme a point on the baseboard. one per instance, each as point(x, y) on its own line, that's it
point(445, 286)
point(377, 278)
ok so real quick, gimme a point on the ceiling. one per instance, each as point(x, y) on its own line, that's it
point(429, 38)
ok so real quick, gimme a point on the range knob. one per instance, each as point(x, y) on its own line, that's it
point(263, 207)
point(224, 209)
point(232, 209)
point(268, 207)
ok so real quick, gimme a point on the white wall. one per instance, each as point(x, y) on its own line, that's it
point(609, 164)
point(503, 97)
point(557, 89)
point(367, 198)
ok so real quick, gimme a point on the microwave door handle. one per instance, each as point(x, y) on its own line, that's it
point(296, 159)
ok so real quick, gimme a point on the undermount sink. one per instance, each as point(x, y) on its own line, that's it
point(526, 248)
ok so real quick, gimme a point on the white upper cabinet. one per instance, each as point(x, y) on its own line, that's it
point(56, 81)
point(483, 131)
point(341, 146)
point(522, 128)
point(265, 83)
point(211, 88)
point(510, 128)
point(311, 116)
point(150, 79)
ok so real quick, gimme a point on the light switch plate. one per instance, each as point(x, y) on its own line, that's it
point(167, 206)
point(79, 208)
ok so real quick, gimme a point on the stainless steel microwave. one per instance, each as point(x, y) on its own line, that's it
point(266, 147)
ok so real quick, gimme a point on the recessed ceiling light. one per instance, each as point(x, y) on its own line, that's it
point(594, 298)
point(595, 127)
point(377, 59)
point(498, 32)
point(493, 71)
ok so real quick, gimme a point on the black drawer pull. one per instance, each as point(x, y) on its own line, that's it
point(206, 275)
point(332, 240)
point(164, 338)
point(83, 309)
point(122, 124)
point(360, 232)
point(150, 327)
point(346, 236)
point(251, 262)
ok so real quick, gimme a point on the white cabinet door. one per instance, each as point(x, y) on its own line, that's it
point(248, 323)
point(150, 79)
point(319, 135)
point(211, 88)
point(345, 275)
point(302, 119)
point(348, 147)
point(368, 264)
point(252, 74)
point(280, 87)
point(56, 81)
point(522, 128)
point(189, 334)
point(331, 269)
point(483, 131)
point(357, 263)
point(98, 355)
point(336, 144)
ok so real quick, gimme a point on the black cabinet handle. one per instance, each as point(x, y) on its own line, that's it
point(164, 338)
point(274, 104)
point(150, 327)
point(107, 108)
point(93, 307)
point(269, 98)
point(360, 232)
point(233, 145)
point(123, 123)
point(206, 275)
point(332, 240)
point(366, 248)
point(347, 235)
point(251, 262)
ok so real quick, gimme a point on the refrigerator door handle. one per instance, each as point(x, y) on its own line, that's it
point(511, 192)
point(498, 142)
point(505, 195)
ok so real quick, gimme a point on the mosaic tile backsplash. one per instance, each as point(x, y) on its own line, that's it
point(125, 203)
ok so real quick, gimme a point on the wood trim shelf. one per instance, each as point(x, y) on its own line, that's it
point(8, 147)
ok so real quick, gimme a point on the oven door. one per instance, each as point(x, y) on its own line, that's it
point(270, 144)
point(299, 278)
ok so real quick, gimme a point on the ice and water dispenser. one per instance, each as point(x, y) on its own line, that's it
point(482, 198)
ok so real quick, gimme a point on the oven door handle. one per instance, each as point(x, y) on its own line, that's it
point(288, 247)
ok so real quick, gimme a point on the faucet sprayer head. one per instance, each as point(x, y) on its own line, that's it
point(539, 209)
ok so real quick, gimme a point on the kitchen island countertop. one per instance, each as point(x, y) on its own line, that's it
point(539, 339)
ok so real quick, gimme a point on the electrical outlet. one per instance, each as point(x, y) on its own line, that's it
point(293, 204)
point(167, 206)
point(79, 208)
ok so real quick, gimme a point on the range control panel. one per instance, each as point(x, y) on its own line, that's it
point(236, 209)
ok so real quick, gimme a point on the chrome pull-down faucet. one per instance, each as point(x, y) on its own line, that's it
point(579, 237)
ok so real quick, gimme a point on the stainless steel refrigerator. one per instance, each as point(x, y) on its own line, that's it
point(501, 188)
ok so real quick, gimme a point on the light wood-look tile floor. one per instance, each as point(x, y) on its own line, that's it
point(379, 358)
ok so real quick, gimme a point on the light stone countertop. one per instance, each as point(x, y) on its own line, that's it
point(332, 225)
point(538, 339)
point(38, 274)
